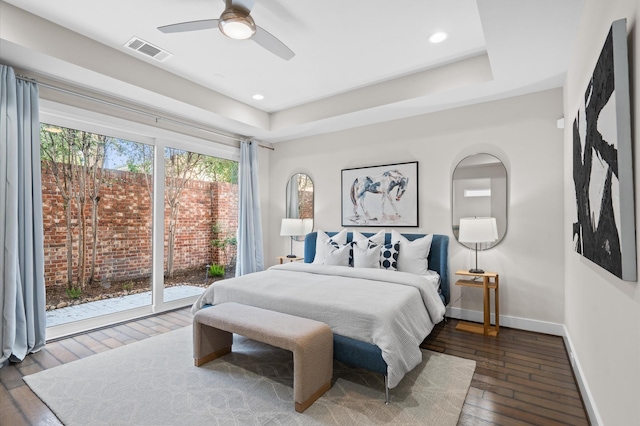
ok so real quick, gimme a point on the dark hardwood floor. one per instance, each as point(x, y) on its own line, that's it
point(521, 378)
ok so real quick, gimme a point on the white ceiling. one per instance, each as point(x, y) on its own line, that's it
point(356, 62)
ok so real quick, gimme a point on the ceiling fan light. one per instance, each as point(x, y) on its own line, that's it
point(237, 24)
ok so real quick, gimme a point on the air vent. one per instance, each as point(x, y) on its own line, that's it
point(148, 49)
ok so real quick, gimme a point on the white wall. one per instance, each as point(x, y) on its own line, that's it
point(264, 188)
point(602, 313)
point(520, 131)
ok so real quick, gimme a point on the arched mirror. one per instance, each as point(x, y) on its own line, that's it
point(299, 201)
point(479, 189)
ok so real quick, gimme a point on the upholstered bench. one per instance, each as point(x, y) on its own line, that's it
point(310, 341)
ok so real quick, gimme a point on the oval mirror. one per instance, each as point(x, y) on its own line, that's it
point(479, 189)
point(299, 201)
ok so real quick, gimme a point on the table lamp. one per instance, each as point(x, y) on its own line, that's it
point(477, 230)
point(307, 226)
point(292, 228)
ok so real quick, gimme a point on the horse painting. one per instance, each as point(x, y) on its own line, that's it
point(383, 184)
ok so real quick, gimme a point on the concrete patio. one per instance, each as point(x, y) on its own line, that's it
point(116, 304)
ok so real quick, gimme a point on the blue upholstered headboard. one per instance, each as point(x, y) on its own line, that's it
point(438, 255)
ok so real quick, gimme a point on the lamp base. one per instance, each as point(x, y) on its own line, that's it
point(476, 271)
point(291, 256)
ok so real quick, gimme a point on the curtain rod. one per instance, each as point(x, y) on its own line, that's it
point(134, 110)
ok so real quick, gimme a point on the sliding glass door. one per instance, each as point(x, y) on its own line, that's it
point(134, 224)
point(200, 221)
point(97, 194)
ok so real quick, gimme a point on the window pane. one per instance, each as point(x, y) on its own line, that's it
point(201, 199)
point(97, 193)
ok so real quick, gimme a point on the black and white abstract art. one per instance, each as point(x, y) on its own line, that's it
point(604, 230)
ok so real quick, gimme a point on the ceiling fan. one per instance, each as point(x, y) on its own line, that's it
point(236, 22)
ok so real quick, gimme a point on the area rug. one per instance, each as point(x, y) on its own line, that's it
point(154, 382)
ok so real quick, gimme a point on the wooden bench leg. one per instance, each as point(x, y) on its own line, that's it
point(312, 368)
point(301, 406)
point(209, 343)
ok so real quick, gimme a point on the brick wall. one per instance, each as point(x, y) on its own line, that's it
point(124, 228)
point(225, 209)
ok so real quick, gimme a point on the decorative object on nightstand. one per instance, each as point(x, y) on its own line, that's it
point(478, 230)
point(486, 284)
point(294, 228)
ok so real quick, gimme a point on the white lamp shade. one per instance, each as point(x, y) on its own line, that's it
point(292, 227)
point(307, 226)
point(478, 230)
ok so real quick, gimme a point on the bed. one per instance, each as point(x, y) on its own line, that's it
point(379, 317)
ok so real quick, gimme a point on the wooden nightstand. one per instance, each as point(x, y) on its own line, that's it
point(486, 284)
point(283, 259)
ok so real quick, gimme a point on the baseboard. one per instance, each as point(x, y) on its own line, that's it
point(509, 321)
point(587, 398)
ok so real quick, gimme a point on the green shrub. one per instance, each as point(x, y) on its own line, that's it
point(216, 270)
point(74, 293)
point(225, 241)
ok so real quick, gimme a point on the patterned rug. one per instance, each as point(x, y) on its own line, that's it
point(154, 382)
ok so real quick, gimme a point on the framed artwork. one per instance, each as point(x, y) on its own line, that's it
point(604, 229)
point(380, 195)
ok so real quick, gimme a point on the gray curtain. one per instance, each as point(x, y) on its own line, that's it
point(22, 292)
point(250, 256)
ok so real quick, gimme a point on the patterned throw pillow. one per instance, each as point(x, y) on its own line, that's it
point(389, 256)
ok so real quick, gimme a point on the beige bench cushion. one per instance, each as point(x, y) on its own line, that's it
point(310, 341)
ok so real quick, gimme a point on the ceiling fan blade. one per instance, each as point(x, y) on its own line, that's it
point(204, 24)
point(265, 39)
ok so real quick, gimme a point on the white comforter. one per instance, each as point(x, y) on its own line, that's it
point(393, 310)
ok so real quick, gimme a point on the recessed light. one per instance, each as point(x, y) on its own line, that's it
point(438, 37)
point(258, 97)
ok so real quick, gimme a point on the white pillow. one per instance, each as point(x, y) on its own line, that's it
point(413, 254)
point(366, 255)
point(321, 244)
point(337, 256)
point(376, 239)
